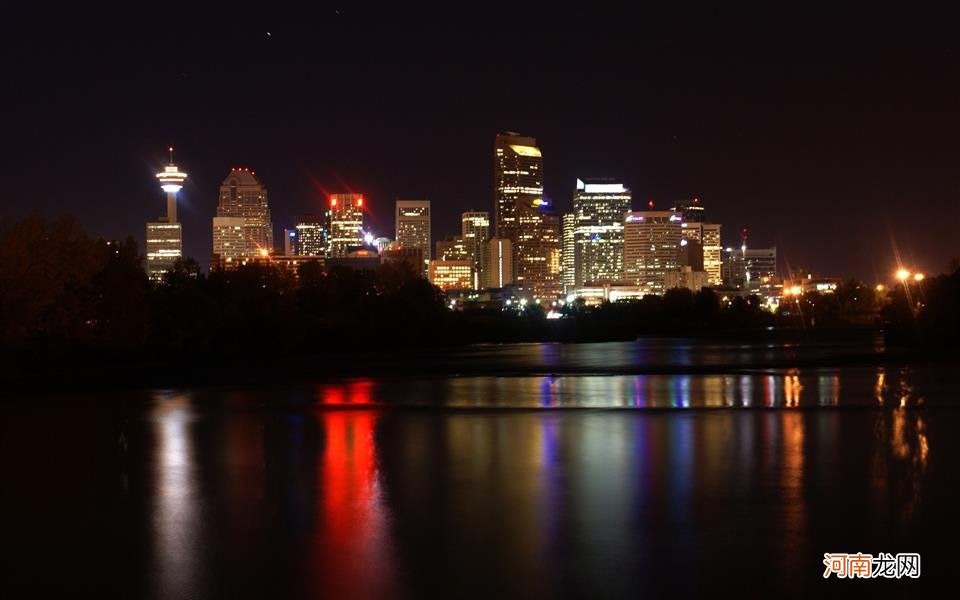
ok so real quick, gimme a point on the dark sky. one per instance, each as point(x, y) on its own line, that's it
point(832, 136)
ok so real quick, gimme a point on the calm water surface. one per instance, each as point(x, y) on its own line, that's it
point(526, 486)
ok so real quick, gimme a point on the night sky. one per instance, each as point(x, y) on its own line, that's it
point(831, 136)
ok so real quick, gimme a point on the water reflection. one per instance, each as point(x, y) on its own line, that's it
point(176, 507)
point(374, 502)
point(352, 552)
point(791, 388)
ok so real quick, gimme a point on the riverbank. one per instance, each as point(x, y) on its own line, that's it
point(726, 352)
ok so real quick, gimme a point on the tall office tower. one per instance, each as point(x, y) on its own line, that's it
point(475, 231)
point(165, 235)
point(568, 271)
point(691, 211)
point(346, 223)
point(289, 242)
point(651, 246)
point(497, 263)
point(537, 251)
point(243, 196)
point(599, 206)
point(518, 180)
point(312, 235)
point(760, 265)
point(229, 241)
point(455, 248)
point(712, 259)
point(413, 225)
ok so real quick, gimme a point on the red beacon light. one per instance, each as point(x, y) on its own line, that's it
point(650, 203)
point(333, 201)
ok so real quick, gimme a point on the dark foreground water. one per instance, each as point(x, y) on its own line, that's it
point(639, 485)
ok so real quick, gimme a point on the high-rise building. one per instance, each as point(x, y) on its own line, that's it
point(413, 225)
point(568, 274)
point(454, 248)
point(289, 242)
point(599, 206)
point(312, 235)
point(712, 259)
point(707, 241)
point(229, 242)
point(475, 231)
point(651, 246)
point(165, 235)
point(761, 264)
point(537, 251)
point(451, 274)
point(518, 175)
point(243, 196)
point(164, 247)
point(346, 224)
point(691, 211)
point(497, 263)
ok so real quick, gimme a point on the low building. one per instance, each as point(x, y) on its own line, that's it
point(451, 274)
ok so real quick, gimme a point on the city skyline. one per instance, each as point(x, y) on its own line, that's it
point(831, 133)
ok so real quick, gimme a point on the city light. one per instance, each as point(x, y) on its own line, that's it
point(264, 252)
point(918, 276)
point(880, 287)
point(903, 274)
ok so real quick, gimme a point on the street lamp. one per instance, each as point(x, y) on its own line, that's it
point(903, 274)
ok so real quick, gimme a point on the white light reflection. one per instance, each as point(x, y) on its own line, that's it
point(176, 519)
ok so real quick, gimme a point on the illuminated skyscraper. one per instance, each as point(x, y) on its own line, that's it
point(651, 247)
point(568, 254)
point(312, 235)
point(243, 196)
point(537, 251)
point(289, 242)
point(346, 224)
point(518, 174)
point(712, 259)
point(165, 236)
point(497, 263)
point(707, 238)
point(598, 207)
point(229, 243)
point(413, 225)
point(475, 231)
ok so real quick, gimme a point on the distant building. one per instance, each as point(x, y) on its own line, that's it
point(412, 256)
point(749, 268)
point(685, 277)
point(164, 240)
point(537, 252)
point(455, 248)
point(229, 244)
point(707, 238)
point(475, 231)
point(413, 225)
point(358, 260)
point(599, 206)
point(243, 196)
point(691, 211)
point(451, 274)
point(568, 255)
point(651, 248)
point(346, 224)
point(497, 264)
point(289, 242)
point(518, 181)
point(312, 234)
point(382, 243)
point(164, 247)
